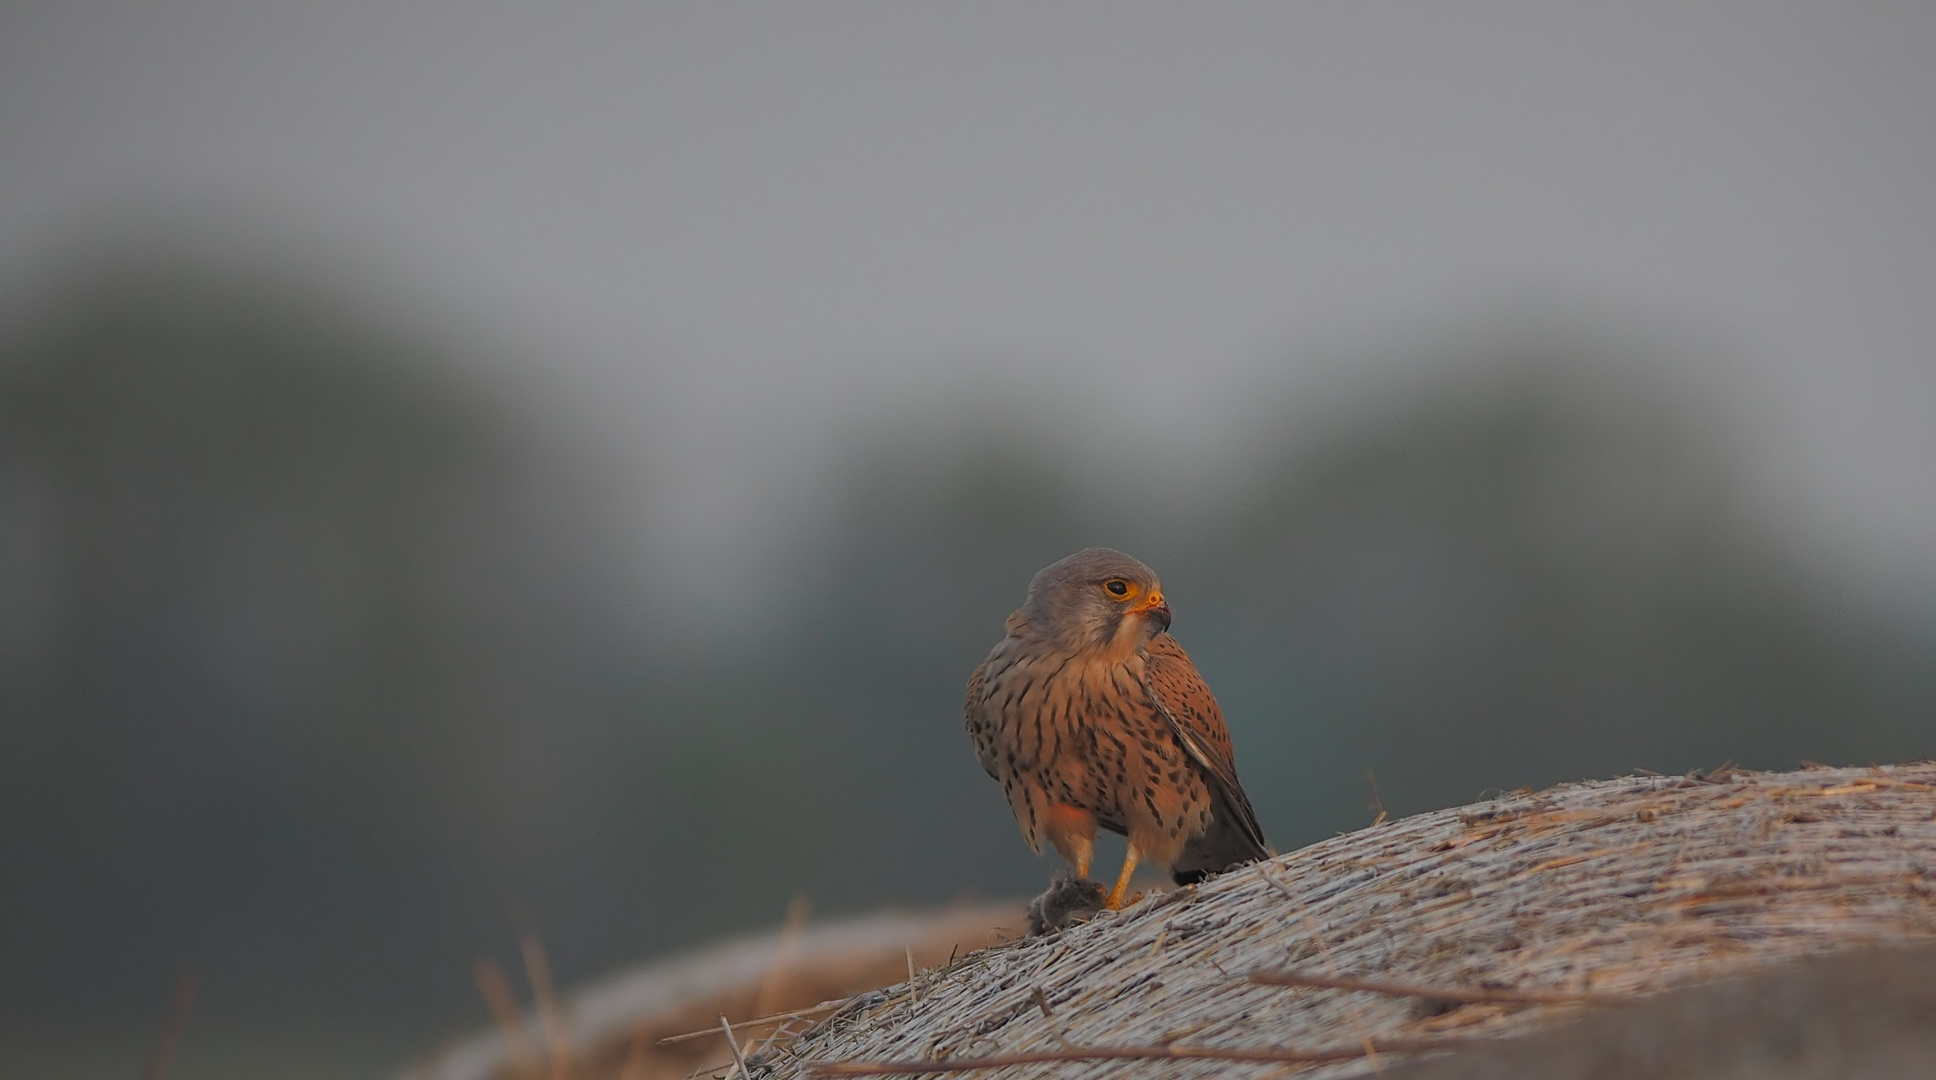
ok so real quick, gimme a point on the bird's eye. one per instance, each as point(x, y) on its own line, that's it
point(1118, 588)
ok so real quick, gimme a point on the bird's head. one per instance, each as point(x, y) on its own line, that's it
point(1098, 598)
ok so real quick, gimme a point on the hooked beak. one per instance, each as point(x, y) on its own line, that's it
point(1156, 610)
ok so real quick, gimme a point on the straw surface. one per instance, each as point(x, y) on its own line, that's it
point(1623, 887)
point(613, 1028)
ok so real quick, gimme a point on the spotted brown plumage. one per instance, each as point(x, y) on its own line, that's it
point(1091, 715)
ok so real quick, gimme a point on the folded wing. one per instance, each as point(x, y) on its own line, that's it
point(1181, 696)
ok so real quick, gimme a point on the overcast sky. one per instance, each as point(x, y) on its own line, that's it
point(726, 230)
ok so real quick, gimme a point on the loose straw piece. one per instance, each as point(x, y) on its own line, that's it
point(773, 988)
point(550, 1018)
point(739, 1059)
point(1460, 995)
point(796, 1014)
point(1281, 1055)
point(495, 986)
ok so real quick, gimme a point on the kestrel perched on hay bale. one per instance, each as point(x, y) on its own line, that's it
point(1090, 714)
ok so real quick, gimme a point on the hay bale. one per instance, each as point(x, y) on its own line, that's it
point(613, 1028)
point(1624, 887)
point(1864, 1015)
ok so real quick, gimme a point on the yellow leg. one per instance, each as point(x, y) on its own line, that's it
point(1130, 858)
point(1073, 832)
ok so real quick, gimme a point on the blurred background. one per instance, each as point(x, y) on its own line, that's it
point(478, 468)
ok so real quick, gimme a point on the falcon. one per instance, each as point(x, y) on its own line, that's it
point(1091, 715)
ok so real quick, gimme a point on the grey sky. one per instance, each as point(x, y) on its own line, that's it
point(727, 229)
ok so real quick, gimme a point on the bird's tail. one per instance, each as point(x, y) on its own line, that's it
point(1225, 845)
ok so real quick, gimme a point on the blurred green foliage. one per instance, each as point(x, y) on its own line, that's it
point(312, 676)
point(296, 632)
